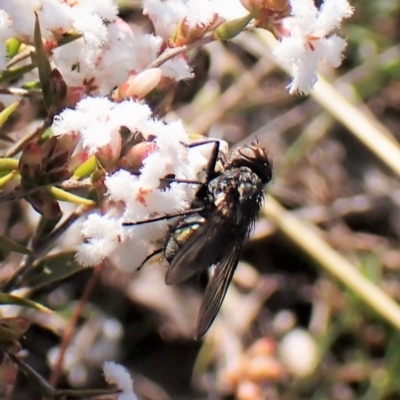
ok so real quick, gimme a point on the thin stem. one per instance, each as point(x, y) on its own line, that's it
point(21, 92)
point(66, 185)
point(174, 51)
point(20, 57)
point(67, 336)
point(17, 147)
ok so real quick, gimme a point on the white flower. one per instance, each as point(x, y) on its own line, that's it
point(98, 121)
point(199, 12)
point(101, 233)
point(307, 38)
point(5, 33)
point(229, 10)
point(118, 375)
point(165, 15)
point(177, 69)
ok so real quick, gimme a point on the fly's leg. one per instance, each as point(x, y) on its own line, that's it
point(165, 217)
point(151, 255)
point(210, 169)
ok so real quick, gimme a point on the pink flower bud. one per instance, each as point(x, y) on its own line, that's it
point(109, 154)
point(134, 157)
point(138, 85)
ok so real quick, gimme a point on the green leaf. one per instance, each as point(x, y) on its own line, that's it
point(52, 269)
point(13, 45)
point(8, 164)
point(32, 85)
point(16, 73)
point(43, 64)
point(230, 29)
point(6, 298)
point(62, 195)
point(7, 246)
point(86, 169)
point(7, 112)
point(6, 178)
point(68, 38)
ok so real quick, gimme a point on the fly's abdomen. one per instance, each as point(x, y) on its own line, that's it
point(181, 233)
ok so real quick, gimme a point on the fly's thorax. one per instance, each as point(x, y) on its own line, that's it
point(181, 233)
point(238, 195)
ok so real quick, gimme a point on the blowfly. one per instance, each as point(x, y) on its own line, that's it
point(226, 207)
point(211, 233)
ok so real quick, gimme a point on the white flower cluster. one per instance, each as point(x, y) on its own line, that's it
point(166, 15)
point(109, 51)
point(307, 37)
point(105, 55)
point(133, 197)
point(118, 375)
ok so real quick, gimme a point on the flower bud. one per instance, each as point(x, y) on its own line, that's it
point(188, 31)
point(232, 28)
point(74, 95)
point(138, 85)
point(109, 154)
point(133, 159)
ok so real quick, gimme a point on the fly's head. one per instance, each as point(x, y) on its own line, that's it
point(254, 157)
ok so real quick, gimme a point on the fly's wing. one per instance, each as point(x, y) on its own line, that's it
point(207, 246)
point(217, 288)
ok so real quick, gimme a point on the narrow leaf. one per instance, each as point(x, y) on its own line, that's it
point(230, 29)
point(5, 114)
point(8, 245)
point(16, 73)
point(43, 64)
point(6, 298)
point(5, 179)
point(68, 38)
point(86, 169)
point(62, 195)
point(52, 269)
point(8, 164)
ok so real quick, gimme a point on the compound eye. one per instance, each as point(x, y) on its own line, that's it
point(252, 154)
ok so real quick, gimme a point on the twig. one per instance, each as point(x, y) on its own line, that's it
point(74, 184)
point(20, 57)
point(21, 92)
point(66, 185)
point(174, 51)
point(67, 336)
point(17, 147)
